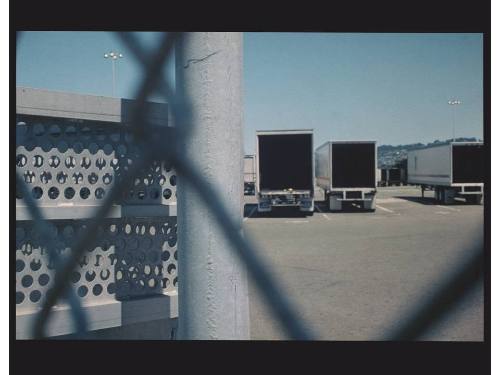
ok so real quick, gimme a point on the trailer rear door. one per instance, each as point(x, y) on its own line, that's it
point(468, 163)
point(285, 161)
point(353, 165)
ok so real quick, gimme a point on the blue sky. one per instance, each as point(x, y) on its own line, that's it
point(392, 88)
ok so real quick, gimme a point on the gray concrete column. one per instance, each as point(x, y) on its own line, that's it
point(213, 292)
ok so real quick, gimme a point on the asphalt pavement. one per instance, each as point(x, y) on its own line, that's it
point(353, 275)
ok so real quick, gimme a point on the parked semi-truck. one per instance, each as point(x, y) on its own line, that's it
point(451, 170)
point(393, 176)
point(285, 169)
point(346, 171)
point(249, 174)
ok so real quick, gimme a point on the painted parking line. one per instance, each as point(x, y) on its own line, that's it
point(391, 200)
point(322, 213)
point(385, 209)
point(250, 214)
point(449, 208)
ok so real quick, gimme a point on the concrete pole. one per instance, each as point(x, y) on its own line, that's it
point(213, 292)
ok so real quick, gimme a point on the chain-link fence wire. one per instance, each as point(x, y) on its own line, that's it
point(45, 228)
point(161, 143)
point(444, 298)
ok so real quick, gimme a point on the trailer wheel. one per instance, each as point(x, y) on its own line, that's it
point(448, 196)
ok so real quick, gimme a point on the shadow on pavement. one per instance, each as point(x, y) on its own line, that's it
point(250, 209)
point(322, 206)
point(430, 201)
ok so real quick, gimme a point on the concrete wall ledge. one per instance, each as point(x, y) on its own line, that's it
point(105, 315)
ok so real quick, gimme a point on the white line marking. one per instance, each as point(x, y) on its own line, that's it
point(442, 212)
point(324, 215)
point(449, 208)
point(251, 213)
point(391, 200)
point(385, 209)
point(296, 221)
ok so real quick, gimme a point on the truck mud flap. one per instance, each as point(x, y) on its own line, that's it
point(335, 203)
point(369, 204)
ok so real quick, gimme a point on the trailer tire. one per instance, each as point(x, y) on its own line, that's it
point(448, 196)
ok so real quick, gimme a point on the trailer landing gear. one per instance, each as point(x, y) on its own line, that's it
point(443, 195)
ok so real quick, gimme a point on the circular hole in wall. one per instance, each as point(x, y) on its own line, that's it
point(167, 193)
point(84, 193)
point(99, 193)
point(53, 192)
point(35, 296)
point(43, 279)
point(97, 289)
point(82, 291)
point(54, 161)
point(21, 160)
point(37, 192)
point(19, 298)
point(69, 193)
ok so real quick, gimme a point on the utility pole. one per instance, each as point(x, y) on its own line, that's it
point(213, 291)
point(113, 56)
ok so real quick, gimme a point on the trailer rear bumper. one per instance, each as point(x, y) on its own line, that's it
point(447, 193)
point(301, 199)
point(353, 194)
point(468, 189)
point(365, 197)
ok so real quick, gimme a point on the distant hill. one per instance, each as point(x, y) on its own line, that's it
point(391, 156)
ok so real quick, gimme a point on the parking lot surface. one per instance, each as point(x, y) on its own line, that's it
point(353, 275)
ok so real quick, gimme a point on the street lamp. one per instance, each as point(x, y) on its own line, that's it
point(113, 56)
point(453, 103)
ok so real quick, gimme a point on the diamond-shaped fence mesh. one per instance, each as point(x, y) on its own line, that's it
point(71, 245)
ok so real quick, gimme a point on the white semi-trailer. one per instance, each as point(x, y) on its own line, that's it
point(249, 174)
point(346, 171)
point(451, 170)
point(285, 169)
point(379, 176)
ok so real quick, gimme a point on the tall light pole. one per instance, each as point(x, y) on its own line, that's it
point(113, 56)
point(453, 103)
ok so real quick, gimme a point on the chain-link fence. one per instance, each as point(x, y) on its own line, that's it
point(136, 163)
